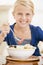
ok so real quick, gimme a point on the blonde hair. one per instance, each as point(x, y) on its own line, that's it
point(26, 3)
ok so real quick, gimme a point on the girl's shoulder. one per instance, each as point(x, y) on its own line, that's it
point(35, 28)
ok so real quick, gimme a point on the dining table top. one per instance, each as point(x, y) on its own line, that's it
point(33, 60)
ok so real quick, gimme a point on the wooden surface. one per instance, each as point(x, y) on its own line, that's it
point(14, 61)
point(32, 58)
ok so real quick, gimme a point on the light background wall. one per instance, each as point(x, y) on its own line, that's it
point(5, 6)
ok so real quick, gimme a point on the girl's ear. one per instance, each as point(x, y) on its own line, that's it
point(13, 14)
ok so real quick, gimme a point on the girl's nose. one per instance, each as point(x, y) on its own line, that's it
point(24, 17)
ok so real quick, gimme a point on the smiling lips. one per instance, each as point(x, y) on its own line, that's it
point(23, 22)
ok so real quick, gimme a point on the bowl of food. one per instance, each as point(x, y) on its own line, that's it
point(21, 51)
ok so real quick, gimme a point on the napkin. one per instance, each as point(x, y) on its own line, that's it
point(3, 52)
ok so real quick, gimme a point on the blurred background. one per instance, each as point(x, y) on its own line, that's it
point(6, 12)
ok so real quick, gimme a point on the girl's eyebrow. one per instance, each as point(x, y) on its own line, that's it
point(19, 13)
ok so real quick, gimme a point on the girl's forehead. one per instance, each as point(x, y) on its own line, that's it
point(23, 8)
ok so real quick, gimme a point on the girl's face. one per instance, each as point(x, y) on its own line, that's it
point(23, 15)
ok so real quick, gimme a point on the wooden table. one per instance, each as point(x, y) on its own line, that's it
point(12, 61)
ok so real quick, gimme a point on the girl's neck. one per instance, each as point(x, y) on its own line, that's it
point(22, 29)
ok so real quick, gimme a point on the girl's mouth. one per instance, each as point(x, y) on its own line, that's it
point(23, 22)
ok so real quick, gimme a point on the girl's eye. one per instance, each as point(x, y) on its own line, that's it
point(27, 14)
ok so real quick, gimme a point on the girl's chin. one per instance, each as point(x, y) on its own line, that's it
point(22, 26)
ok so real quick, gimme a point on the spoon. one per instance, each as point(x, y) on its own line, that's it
point(13, 34)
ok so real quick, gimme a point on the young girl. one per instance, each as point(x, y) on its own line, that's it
point(23, 32)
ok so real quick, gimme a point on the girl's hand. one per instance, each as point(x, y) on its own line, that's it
point(5, 28)
point(20, 41)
